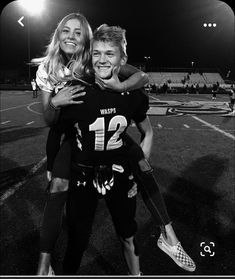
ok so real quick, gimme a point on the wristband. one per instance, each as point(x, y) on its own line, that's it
point(52, 106)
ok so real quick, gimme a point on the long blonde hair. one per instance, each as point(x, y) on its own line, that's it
point(54, 61)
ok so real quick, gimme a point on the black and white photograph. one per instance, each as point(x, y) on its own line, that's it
point(117, 138)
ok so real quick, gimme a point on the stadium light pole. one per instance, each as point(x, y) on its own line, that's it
point(32, 8)
point(29, 50)
point(147, 58)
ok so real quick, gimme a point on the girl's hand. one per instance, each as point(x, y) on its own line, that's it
point(112, 83)
point(67, 95)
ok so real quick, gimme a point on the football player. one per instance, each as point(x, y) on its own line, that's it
point(99, 162)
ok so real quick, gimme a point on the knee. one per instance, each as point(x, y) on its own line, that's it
point(127, 242)
point(130, 244)
point(58, 185)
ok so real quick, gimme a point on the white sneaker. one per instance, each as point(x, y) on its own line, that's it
point(177, 253)
point(51, 271)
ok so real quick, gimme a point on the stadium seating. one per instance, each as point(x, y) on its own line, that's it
point(212, 78)
point(176, 78)
point(162, 77)
point(196, 78)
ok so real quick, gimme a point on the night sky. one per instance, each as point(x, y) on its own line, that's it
point(171, 32)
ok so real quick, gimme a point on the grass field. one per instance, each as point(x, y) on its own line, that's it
point(193, 159)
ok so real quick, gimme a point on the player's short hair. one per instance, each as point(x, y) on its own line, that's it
point(114, 34)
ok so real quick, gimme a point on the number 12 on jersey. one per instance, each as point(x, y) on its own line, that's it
point(117, 124)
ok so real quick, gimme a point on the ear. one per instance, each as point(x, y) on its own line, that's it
point(123, 60)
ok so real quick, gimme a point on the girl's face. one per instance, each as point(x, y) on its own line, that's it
point(71, 37)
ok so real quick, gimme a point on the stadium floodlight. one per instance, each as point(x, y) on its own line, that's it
point(147, 58)
point(205, 24)
point(209, 24)
point(214, 24)
point(33, 7)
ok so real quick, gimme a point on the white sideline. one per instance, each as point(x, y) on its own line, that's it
point(20, 106)
point(214, 127)
point(13, 189)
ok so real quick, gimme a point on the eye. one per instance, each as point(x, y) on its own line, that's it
point(65, 31)
point(95, 54)
point(78, 33)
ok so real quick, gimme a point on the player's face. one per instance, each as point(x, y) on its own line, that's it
point(106, 56)
point(71, 37)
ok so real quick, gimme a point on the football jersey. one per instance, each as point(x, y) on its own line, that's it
point(100, 123)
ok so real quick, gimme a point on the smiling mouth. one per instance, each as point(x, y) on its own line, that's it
point(70, 44)
point(103, 67)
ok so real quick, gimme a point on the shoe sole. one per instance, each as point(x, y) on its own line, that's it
point(178, 263)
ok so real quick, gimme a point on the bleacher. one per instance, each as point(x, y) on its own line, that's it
point(197, 78)
point(164, 77)
point(176, 78)
point(212, 78)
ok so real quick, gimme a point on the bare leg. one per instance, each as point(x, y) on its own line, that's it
point(44, 264)
point(169, 234)
point(131, 256)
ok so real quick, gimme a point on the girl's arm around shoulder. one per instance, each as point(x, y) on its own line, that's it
point(133, 79)
point(136, 78)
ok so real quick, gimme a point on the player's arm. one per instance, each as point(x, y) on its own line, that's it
point(146, 131)
point(142, 121)
point(134, 79)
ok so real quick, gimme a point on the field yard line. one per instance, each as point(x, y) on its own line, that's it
point(5, 122)
point(29, 123)
point(15, 187)
point(34, 111)
point(214, 127)
point(154, 98)
point(18, 106)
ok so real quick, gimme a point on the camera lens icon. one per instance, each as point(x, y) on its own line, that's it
point(207, 249)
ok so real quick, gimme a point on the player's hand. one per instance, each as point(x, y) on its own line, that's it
point(112, 83)
point(67, 95)
point(134, 190)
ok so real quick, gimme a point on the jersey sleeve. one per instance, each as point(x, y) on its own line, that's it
point(141, 99)
point(42, 79)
